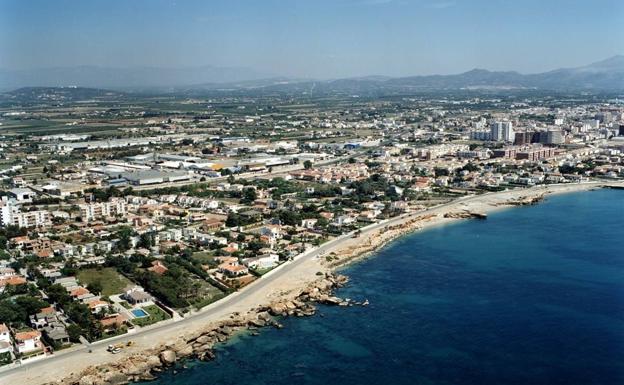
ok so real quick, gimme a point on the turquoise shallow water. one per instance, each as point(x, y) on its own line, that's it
point(532, 295)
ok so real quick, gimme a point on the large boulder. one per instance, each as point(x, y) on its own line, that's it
point(203, 339)
point(152, 362)
point(333, 301)
point(186, 351)
point(257, 323)
point(277, 309)
point(167, 357)
point(116, 378)
point(265, 316)
point(88, 380)
point(202, 348)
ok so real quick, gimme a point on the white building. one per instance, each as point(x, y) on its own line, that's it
point(26, 342)
point(265, 261)
point(502, 131)
point(11, 214)
point(92, 211)
point(496, 131)
point(508, 132)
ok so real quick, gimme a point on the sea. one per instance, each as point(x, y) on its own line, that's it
point(533, 295)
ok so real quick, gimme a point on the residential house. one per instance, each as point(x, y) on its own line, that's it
point(28, 342)
point(264, 261)
point(6, 345)
point(233, 269)
point(137, 296)
point(158, 267)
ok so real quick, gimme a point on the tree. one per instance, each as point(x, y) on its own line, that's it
point(74, 332)
point(307, 164)
point(124, 234)
point(290, 218)
point(232, 220)
point(249, 196)
point(95, 287)
point(146, 240)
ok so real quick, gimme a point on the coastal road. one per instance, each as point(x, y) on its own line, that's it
point(288, 276)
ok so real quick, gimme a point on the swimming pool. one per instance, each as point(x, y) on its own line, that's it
point(139, 313)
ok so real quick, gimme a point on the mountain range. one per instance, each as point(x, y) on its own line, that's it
point(602, 75)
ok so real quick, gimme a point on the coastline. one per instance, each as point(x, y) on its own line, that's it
point(286, 295)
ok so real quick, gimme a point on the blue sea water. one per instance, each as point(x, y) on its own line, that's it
point(532, 295)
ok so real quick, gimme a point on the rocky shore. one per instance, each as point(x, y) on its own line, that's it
point(377, 240)
point(524, 200)
point(147, 364)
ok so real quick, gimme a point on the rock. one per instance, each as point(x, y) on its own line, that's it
point(206, 356)
point(88, 380)
point(325, 285)
point(257, 323)
point(298, 303)
point(264, 316)
point(114, 378)
point(168, 357)
point(277, 309)
point(225, 330)
point(147, 376)
point(333, 301)
point(185, 351)
point(203, 339)
point(153, 362)
point(203, 348)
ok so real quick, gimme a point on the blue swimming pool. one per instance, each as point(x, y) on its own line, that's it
point(139, 313)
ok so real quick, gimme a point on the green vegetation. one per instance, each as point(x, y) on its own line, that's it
point(110, 281)
point(5, 358)
point(15, 311)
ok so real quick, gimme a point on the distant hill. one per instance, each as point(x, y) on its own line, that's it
point(58, 94)
point(122, 78)
point(603, 75)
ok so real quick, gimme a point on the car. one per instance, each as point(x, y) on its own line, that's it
point(116, 350)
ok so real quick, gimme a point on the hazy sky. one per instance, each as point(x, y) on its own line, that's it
point(313, 38)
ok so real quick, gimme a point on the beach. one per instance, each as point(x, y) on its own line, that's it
point(283, 285)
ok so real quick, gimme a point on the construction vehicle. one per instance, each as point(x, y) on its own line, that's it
point(115, 348)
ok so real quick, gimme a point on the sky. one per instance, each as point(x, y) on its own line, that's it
point(312, 38)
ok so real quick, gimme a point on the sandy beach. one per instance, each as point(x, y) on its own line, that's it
point(284, 283)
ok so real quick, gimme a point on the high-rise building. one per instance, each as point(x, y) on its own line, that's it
point(508, 132)
point(502, 131)
point(496, 131)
